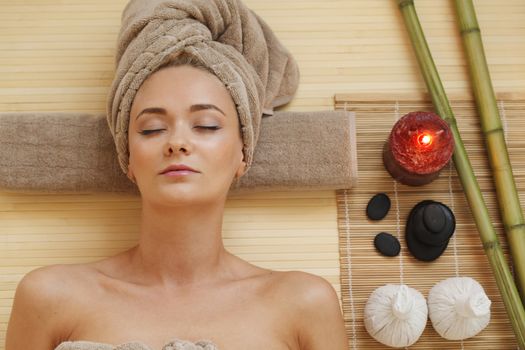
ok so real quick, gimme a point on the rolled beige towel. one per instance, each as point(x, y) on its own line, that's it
point(74, 153)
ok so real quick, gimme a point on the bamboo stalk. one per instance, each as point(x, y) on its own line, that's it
point(491, 245)
point(507, 194)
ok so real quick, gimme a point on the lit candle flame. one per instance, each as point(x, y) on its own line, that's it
point(425, 139)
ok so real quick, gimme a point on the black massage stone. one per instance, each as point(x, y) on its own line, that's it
point(433, 223)
point(429, 227)
point(434, 218)
point(422, 251)
point(378, 206)
point(387, 244)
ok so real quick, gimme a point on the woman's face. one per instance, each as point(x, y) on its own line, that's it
point(184, 115)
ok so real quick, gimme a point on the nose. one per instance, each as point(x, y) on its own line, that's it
point(178, 141)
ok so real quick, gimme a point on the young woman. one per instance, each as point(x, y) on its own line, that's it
point(178, 288)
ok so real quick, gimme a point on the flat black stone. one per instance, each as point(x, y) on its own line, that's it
point(425, 229)
point(422, 251)
point(378, 206)
point(387, 244)
point(434, 218)
point(422, 243)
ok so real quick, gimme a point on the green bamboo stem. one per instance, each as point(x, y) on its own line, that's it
point(496, 258)
point(508, 199)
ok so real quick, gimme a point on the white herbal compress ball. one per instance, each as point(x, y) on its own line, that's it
point(396, 315)
point(458, 308)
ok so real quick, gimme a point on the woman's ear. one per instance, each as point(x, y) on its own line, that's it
point(130, 175)
point(240, 170)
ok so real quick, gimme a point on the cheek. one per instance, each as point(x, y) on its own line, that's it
point(139, 152)
point(224, 151)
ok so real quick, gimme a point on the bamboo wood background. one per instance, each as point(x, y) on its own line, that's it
point(57, 55)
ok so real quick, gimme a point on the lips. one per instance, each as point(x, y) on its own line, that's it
point(178, 167)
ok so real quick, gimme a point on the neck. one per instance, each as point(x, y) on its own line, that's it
point(180, 246)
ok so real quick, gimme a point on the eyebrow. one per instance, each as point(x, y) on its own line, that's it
point(199, 107)
point(193, 108)
point(152, 110)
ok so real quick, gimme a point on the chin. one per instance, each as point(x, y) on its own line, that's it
point(175, 197)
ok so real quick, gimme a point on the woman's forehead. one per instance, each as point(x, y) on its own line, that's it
point(183, 87)
point(183, 77)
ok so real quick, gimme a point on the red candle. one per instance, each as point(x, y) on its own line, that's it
point(419, 146)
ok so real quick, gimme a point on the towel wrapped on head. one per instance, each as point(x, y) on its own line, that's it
point(224, 36)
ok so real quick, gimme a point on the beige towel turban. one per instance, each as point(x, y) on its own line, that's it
point(225, 36)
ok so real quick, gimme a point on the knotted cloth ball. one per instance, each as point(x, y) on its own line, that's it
point(395, 315)
point(224, 36)
point(458, 308)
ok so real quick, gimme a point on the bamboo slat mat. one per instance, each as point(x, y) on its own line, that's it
point(363, 269)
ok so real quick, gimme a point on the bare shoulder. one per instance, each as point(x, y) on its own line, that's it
point(307, 289)
point(315, 303)
point(42, 297)
point(54, 282)
point(44, 287)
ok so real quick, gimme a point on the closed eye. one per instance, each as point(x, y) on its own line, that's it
point(148, 132)
point(208, 127)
